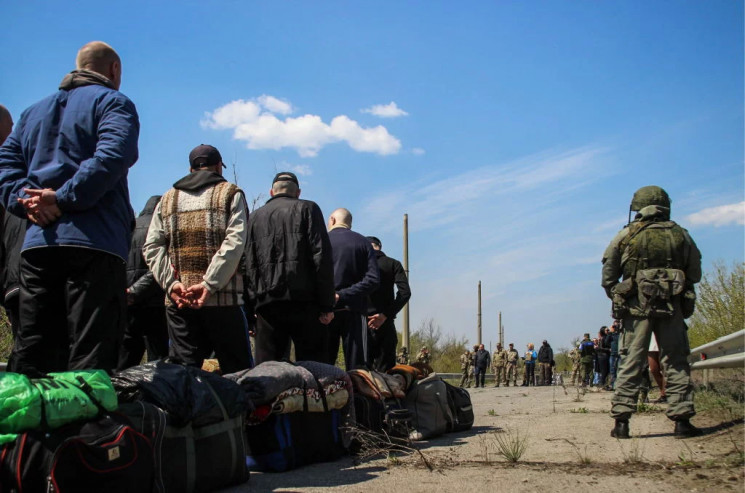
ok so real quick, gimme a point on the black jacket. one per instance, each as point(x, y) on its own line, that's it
point(482, 358)
point(382, 300)
point(288, 254)
point(356, 273)
point(545, 354)
point(143, 289)
point(13, 234)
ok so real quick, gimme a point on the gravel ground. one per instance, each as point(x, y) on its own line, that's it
point(568, 448)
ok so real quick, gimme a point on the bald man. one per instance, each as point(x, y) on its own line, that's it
point(65, 169)
point(356, 277)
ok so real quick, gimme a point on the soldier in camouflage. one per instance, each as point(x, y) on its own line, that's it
point(465, 367)
point(512, 358)
point(499, 365)
point(659, 264)
point(574, 356)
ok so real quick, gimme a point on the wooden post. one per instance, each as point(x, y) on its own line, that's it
point(405, 334)
point(479, 316)
point(501, 331)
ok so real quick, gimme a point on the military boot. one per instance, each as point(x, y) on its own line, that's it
point(621, 430)
point(684, 429)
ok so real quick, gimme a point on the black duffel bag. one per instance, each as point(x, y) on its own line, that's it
point(105, 454)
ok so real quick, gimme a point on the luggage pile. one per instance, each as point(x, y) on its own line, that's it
point(169, 428)
point(409, 403)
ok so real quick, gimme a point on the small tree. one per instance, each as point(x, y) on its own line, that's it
point(720, 306)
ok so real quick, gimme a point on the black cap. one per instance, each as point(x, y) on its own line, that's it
point(374, 241)
point(285, 176)
point(205, 155)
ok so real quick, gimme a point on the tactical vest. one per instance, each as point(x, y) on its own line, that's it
point(654, 256)
point(653, 245)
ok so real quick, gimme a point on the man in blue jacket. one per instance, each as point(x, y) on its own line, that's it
point(356, 276)
point(65, 168)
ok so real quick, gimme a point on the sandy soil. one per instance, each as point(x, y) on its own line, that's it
point(569, 448)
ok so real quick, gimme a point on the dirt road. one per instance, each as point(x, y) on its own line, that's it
point(569, 448)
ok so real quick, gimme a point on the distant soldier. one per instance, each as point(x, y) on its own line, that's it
point(574, 356)
point(403, 357)
point(465, 367)
point(512, 357)
point(499, 364)
point(423, 356)
point(587, 354)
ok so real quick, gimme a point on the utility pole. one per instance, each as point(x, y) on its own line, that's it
point(501, 331)
point(405, 335)
point(479, 317)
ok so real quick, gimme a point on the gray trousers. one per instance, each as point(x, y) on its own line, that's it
point(672, 337)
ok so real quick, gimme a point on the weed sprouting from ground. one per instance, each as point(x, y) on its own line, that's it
point(580, 394)
point(643, 407)
point(635, 452)
point(582, 455)
point(511, 444)
point(491, 412)
point(580, 410)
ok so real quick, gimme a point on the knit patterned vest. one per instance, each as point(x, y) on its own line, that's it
point(194, 225)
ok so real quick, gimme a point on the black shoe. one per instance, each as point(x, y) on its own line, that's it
point(621, 430)
point(661, 400)
point(684, 429)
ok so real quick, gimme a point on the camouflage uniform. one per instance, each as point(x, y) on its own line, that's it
point(512, 358)
point(659, 264)
point(423, 356)
point(575, 357)
point(403, 357)
point(465, 367)
point(499, 365)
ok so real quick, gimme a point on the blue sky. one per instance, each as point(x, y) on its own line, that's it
point(513, 134)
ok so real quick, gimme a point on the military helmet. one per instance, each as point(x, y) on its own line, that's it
point(650, 195)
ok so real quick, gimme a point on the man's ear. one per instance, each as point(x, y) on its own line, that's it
point(298, 192)
point(271, 192)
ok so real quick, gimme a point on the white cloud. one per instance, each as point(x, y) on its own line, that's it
point(719, 216)
point(418, 151)
point(301, 169)
point(390, 110)
point(275, 105)
point(256, 123)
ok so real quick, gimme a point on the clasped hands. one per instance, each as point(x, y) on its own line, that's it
point(192, 297)
point(41, 206)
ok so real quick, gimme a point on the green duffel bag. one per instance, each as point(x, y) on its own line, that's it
point(54, 401)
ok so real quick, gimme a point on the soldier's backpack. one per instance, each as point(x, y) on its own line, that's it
point(655, 253)
point(428, 402)
point(104, 454)
point(459, 401)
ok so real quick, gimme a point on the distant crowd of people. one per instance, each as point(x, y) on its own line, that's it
point(86, 285)
point(505, 364)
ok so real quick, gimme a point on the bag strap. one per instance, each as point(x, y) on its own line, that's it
point(88, 390)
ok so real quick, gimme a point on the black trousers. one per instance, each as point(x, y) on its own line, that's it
point(195, 334)
point(382, 346)
point(351, 327)
point(146, 329)
point(280, 321)
point(72, 310)
point(479, 374)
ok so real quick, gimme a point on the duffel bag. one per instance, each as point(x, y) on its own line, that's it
point(287, 441)
point(106, 454)
point(188, 458)
point(428, 402)
point(459, 401)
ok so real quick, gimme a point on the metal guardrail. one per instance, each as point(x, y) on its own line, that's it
point(726, 352)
